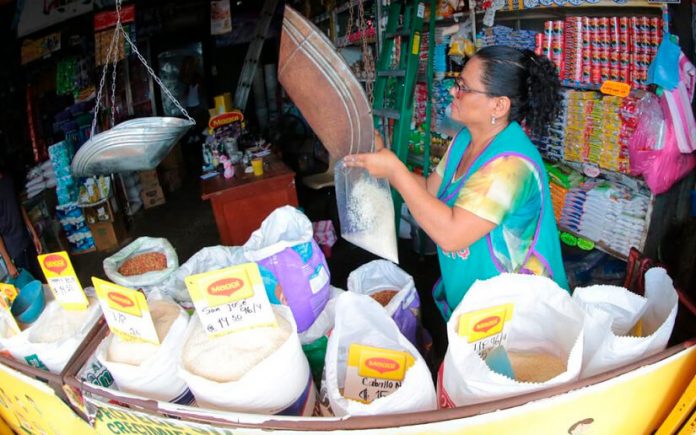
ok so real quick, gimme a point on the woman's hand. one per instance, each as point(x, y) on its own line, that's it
point(380, 164)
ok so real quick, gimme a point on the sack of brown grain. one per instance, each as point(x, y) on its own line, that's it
point(532, 318)
point(394, 289)
point(146, 263)
point(622, 327)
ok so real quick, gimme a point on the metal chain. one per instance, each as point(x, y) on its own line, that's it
point(368, 60)
point(101, 82)
point(164, 89)
point(350, 19)
point(114, 65)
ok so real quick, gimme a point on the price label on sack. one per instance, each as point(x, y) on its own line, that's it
point(9, 293)
point(231, 299)
point(126, 312)
point(486, 328)
point(617, 89)
point(372, 372)
point(63, 281)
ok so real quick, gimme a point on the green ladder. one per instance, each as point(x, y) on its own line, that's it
point(405, 75)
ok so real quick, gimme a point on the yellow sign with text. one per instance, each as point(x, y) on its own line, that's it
point(480, 324)
point(374, 362)
point(8, 292)
point(63, 281)
point(31, 407)
point(617, 89)
point(126, 311)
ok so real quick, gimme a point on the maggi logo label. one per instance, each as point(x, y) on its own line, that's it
point(382, 365)
point(225, 287)
point(487, 324)
point(55, 263)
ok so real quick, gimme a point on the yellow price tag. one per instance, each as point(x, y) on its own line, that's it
point(231, 299)
point(63, 281)
point(9, 292)
point(373, 372)
point(617, 89)
point(126, 312)
point(415, 49)
point(481, 324)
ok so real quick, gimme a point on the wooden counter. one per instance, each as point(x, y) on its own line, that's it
point(242, 202)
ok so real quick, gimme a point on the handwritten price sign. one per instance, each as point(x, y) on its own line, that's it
point(231, 299)
point(126, 312)
point(63, 281)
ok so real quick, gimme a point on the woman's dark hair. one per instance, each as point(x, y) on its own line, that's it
point(530, 81)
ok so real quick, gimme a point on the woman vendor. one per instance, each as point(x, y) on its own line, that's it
point(488, 205)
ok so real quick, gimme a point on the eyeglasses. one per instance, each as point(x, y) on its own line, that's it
point(464, 89)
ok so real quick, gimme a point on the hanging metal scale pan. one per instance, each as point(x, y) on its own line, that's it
point(135, 145)
point(321, 85)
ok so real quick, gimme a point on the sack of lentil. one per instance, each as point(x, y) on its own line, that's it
point(144, 263)
point(286, 252)
point(147, 369)
point(534, 320)
point(362, 321)
point(257, 370)
point(394, 289)
point(621, 326)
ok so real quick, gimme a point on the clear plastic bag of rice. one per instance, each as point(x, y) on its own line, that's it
point(366, 211)
point(147, 369)
point(257, 370)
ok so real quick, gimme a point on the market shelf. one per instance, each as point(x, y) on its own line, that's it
point(597, 245)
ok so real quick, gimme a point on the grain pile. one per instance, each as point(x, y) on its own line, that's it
point(384, 296)
point(535, 367)
point(143, 263)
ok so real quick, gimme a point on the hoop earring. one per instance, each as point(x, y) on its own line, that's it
point(493, 120)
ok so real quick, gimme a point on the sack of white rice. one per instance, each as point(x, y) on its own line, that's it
point(258, 370)
point(51, 340)
point(622, 327)
point(360, 320)
point(532, 318)
point(147, 369)
point(394, 289)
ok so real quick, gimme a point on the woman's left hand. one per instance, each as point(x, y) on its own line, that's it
point(380, 164)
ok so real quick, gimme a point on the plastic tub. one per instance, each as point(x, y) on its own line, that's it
point(30, 302)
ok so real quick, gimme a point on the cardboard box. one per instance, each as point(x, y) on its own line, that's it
point(108, 236)
point(103, 212)
point(171, 179)
point(152, 197)
point(148, 179)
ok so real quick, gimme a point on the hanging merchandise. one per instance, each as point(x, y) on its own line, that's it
point(134, 145)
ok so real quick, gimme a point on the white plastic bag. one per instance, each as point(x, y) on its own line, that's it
point(279, 384)
point(325, 322)
point(404, 307)
point(360, 319)
point(544, 319)
point(284, 247)
point(142, 245)
point(205, 260)
point(366, 211)
point(612, 312)
point(157, 376)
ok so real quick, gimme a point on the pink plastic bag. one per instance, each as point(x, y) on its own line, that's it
point(653, 148)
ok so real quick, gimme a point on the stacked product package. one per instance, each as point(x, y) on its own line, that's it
point(561, 180)
point(592, 50)
point(40, 177)
point(503, 35)
point(420, 102)
point(441, 100)
point(607, 213)
point(595, 131)
point(68, 213)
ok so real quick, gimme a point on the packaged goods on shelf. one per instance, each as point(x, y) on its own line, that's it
point(592, 50)
point(503, 35)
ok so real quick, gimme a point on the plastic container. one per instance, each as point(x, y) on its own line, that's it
point(30, 302)
point(22, 279)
